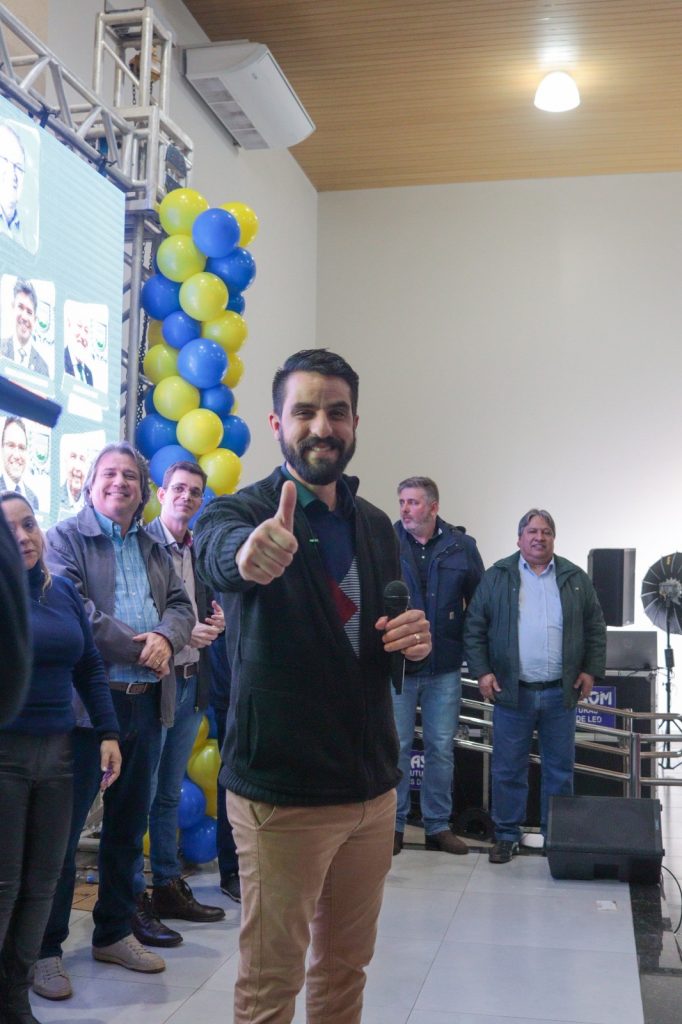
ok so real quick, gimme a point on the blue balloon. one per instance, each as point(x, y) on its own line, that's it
point(202, 362)
point(192, 806)
point(160, 297)
point(237, 303)
point(155, 432)
point(164, 458)
point(148, 400)
point(178, 328)
point(198, 844)
point(237, 269)
point(209, 495)
point(215, 232)
point(236, 435)
point(219, 400)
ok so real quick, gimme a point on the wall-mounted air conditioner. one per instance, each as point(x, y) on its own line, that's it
point(245, 88)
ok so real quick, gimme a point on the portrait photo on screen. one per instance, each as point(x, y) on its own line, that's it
point(86, 344)
point(25, 461)
point(76, 452)
point(27, 324)
point(19, 184)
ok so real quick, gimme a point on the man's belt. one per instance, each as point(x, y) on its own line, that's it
point(548, 684)
point(187, 671)
point(132, 689)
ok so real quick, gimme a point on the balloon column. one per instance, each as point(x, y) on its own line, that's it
point(196, 330)
point(194, 335)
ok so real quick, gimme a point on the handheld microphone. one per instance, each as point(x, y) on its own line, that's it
point(396, 601)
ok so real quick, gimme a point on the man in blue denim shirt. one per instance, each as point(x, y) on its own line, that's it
point(536, 641)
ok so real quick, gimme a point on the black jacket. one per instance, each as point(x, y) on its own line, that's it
point(454, 573)
point(309, 722)
point(203, 598)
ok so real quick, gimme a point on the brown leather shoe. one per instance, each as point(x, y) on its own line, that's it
point(147, 927)
point(175, 899)
point(446, 842)
point(397, 843)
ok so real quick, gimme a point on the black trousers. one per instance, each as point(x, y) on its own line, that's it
point(35, 813)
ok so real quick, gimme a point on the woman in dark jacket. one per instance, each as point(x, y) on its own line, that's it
point(35, 760)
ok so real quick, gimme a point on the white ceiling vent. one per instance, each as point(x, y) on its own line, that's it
point(245, 88)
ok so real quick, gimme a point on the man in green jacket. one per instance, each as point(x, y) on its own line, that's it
point(535, 639)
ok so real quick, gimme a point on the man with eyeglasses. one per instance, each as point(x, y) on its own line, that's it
point(180, 496)
point(12, 171)
point(19, 346)
point(14, 455)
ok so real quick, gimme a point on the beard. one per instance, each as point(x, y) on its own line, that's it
point(322, 471)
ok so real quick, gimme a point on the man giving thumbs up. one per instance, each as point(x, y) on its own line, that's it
point(310, 757)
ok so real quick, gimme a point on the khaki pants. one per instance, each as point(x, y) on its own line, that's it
point(310, 876)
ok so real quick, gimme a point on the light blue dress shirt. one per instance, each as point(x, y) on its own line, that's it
point(540, 624)
point(133, 602)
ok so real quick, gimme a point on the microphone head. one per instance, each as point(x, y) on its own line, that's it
point(396, 598)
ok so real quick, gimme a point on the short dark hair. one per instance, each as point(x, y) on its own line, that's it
point(23, 287)
point(189, 467)
point(8, 422)
point(524, 520)
point(124, 448)
point(314, 360)
point(424, 483)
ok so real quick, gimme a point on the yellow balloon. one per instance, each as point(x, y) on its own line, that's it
point(204, 766)
point(203, 296)
point(235, 408)
point(200, 431)
point(153, 507)
point(174, 397)
point(211, 802)
point(179, 209)
point(223, 469)
point(178, 258)
point(247, 220)
point(202, 736)
point(146, 843)
point(229, 329)
point(154, 335)
point(234, 372)
point(160, 362)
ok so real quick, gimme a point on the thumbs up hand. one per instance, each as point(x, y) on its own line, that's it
point(270, 549)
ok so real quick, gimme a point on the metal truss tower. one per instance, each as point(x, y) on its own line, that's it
point(121, 126)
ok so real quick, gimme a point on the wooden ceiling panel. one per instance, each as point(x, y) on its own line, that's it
point(413, 92)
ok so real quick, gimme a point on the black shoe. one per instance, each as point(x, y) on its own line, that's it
point(175, 899)
point(148, 929)
point(503, 851)
point(397, 842)
point(232, 888)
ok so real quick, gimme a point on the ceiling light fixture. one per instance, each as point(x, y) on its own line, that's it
point(556, 93)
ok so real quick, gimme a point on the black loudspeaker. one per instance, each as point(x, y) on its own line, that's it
point(591, 837)
point(612, 571)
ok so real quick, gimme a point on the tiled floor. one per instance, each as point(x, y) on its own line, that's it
point(460, 942)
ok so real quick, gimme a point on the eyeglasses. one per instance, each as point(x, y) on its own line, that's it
point(194, 492)
point(8, 165)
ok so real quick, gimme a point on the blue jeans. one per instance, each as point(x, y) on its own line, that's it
point(176, 746)
point(126, 808)
point(512, 736)
point(87, 776)
point(439, 697)
point(228, 861)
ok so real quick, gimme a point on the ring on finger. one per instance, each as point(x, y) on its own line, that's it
point(417, 638)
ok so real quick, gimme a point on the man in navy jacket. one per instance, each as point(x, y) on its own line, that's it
point(442, 568)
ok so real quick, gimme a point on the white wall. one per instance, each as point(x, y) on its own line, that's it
point(281, 304)
point(520, 343)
